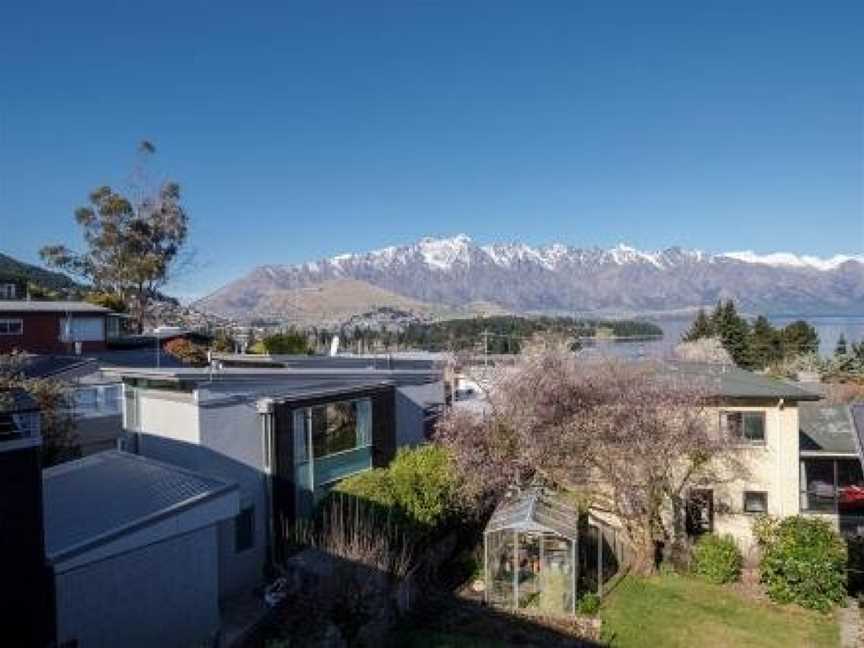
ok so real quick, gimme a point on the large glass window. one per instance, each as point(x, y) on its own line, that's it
point(747, 427)
point(331, 442)
point(832, 486)
point(341, 426)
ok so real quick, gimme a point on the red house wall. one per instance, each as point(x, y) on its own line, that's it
point(42, 335)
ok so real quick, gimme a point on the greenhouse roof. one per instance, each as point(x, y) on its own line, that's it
point(535, 509)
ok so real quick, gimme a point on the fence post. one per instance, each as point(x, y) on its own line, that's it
point(599, 561)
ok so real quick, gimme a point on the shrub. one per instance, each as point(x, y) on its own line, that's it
point(257, 348)
point(223, 343)
point(187, 352)
point(424, 484)
point(803, 562)
point(717, 559)
point(373, 486)
point(589, 604)
point(286, 343)
point(419, 486)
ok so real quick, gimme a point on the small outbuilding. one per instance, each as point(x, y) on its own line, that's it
point(133, 547)
point(541, 552)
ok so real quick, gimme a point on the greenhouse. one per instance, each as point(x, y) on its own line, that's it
point(542, 553)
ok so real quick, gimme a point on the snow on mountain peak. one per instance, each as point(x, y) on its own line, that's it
point(443, 253)
point(789, 260)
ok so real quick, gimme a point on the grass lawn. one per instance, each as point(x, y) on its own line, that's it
point(668, 611)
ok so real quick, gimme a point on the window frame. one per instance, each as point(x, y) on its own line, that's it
point(742, 439)
point(12, 320)
point(837, 489)
point(8, 290)
point(744, 495)
point(240, 543)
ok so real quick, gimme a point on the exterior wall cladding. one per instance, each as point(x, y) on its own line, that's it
point(41, 334)
point(284, 489)
point(172, 614)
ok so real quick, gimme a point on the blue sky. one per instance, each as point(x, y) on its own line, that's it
point(301, 130)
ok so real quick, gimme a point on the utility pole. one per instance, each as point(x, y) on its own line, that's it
point(485, 348)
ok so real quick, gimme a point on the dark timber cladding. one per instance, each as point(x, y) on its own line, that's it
point(26, 603)
point(284, 489)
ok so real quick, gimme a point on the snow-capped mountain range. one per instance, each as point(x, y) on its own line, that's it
point(560, 278)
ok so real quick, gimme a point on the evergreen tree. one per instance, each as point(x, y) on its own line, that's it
point(700, 328)
point(767, 347)
point(734, 333)
point(840, 349)
point(799, 338)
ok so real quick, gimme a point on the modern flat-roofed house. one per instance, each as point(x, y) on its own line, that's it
point(285, 436)
point(53, 326)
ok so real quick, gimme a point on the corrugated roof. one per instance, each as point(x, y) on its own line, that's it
point(23, 306)
point(104, 496)
point(826, 428)
point(535, 509)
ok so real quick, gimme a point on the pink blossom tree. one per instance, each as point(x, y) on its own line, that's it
point(629, 439)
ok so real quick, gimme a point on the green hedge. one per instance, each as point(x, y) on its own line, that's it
point(803, 562)
point(717, 559)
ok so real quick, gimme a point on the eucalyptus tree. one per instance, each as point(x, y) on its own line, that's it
point(133, 240)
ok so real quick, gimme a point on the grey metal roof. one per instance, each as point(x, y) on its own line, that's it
point(24, 306)
point(288, 390)
point(731, 382)
point(61, 367)
point(101, 497)
point(535, 509)
point(826, 428)
point(389, 361)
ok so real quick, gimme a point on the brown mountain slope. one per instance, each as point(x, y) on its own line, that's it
point(333, 301)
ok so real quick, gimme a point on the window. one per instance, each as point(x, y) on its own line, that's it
point(7, 291)
point(244, 529)
point(82, 329)
point(748, 427)
point(341, 426)
point(755, 502)
point(11, 326)
point(830, 485)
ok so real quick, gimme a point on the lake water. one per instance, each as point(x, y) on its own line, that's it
point(828, 328)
